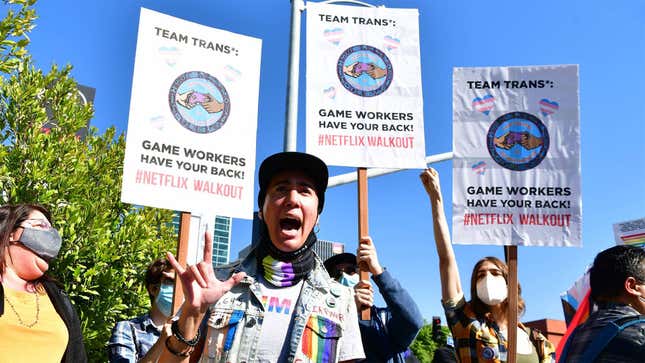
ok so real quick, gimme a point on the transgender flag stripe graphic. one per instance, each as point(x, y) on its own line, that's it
point(548, 107)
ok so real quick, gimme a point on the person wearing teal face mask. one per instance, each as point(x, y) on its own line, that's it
point(390, 330)
point(141, 339)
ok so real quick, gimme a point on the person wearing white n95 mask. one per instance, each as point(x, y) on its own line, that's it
point(479, 326)
point(492, 290)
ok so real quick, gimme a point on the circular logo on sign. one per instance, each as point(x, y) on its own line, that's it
point(488, 353)
point(199, 102)
point(518, 141)
point(364, 70)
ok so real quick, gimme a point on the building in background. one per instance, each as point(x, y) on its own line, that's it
point(85, 95)
point(326, 249)
point(221, 233)
point(255, 237)
point(552, 329)
point(221, 240)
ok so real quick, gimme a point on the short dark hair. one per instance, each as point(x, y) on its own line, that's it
point(612, 267)
point(155, 271)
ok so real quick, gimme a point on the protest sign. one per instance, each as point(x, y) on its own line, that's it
point(193, 118)
point(630, 232)
point(364, 99)
point(516, 166)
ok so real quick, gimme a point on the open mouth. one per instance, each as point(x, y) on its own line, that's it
point(290, 224)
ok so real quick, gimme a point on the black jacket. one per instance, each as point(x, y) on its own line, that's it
point(75, 351)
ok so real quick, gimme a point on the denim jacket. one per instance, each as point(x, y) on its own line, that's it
point(323, 310)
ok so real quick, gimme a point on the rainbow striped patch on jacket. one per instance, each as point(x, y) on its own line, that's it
point(320, 339)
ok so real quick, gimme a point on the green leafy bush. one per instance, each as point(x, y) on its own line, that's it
point(424, 345)
point(106, 244)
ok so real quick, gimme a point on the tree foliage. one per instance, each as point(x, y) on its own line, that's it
point(106, 244)
point(18, 21)
point(424, 345)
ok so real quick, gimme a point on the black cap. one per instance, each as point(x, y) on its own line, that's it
point(333, 261)
point(312, 166)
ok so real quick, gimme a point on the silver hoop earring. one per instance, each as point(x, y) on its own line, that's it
point(317, 228)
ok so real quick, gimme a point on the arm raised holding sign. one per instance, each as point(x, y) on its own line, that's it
point(485, 314)
point(201, 289)
point(448, 269)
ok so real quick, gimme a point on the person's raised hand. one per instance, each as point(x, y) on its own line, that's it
point(366, 253)
point(430, 180)
point(201, 287)
point(363, 295)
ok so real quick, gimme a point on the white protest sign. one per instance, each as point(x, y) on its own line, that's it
point(630, 232)
point(193, 118)
point(364, 100)
point(516, 166)
point(200, 222)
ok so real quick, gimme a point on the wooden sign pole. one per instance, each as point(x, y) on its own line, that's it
point(363, 227)
point(182, 253)
point(511, 261)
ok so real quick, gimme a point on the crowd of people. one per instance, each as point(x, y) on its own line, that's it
point(281, 303)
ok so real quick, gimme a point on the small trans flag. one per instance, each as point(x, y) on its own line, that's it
point(231, 73)
point(484, 104)
point(391, 43)
point(334, 35)
point(548, 107)
point(330, 92)
point(479, 168)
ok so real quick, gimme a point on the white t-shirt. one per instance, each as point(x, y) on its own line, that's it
point(524, 345)
point(279, 303)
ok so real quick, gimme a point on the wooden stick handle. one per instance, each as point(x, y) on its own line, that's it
point(511, 261)
point(182, 253)
point(363, 227)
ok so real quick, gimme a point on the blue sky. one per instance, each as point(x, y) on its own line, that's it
point(607, 41)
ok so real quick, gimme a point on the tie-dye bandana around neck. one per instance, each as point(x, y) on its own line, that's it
point(278, 273)
point(282, 269)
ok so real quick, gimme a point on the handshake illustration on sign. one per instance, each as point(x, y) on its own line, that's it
point(358, 68)
point(191, 99)
point(510, 139)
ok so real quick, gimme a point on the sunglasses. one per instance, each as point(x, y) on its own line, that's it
point(350, 270)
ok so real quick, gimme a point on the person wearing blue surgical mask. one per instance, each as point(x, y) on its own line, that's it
point(37, 320)
point(141, 339)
